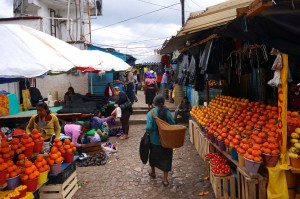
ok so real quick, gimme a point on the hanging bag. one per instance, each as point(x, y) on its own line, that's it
point(145, 147)
point(171, 136)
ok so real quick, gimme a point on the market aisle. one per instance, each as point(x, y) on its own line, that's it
point(124, 176)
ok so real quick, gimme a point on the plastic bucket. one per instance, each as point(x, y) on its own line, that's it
point(252, 166)
point(38, 147)
point(222, 145)
point(56, 168)
point(241, 159)
point(43, 177)
point(28, 152)
point(31, 184)
point(2, 177)
point(233, 154)
point(69, 157)
point(270, 160)
point(13, 182)
point(295, 162)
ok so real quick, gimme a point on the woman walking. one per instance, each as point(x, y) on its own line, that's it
point(159, 157)
point(150, 88)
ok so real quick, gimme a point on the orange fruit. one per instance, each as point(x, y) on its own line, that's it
point(38, 165)
point(66, 147)
point(59, 144)
point(36, 173)
point(31, 176)
point(24, 177)
point(41, 169)
point(58, 160)
point(10, 163)
point(28, 163)
point(41, 139)
point(56, 140)
point(15, 141)
point(50, 161)
point(10, 169)
point(69, 151)
point(2, 168)
point(46, 167)
point(54, 156)
point(34, 131)
point(1, 160)
point(35, 136)
point(39, 158)
point(26, 136)
point(54, 149)
point(44, 162)
point(72, 144)
point(67, 141)
point(13, 174)
point(28, 170)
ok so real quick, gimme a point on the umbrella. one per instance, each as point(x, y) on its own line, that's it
point(26, 52)
point(108, 62)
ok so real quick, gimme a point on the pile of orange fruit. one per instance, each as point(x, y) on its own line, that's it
point(3, 165)
point(41, 164)
point(27, 141)
point(55, 156)
point(59, 145)
point(36, 136)
point(16, 146)
point(5, 151)
point(12, 169)
point(69, 146)
point(21, 160)
point(29, 171)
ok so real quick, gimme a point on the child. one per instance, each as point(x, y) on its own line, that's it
point(96, 121)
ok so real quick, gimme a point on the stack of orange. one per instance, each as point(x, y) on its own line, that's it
point(55, 156)
point(36, 136)
point(12, 169)
point(29, 171)
point(41, 164)
point(27, 141)
point(6, 152)
point(3, 165)
point(16, 146)
point(254, 153)
point(69, 146)
point(21, 160)
point(59, 145)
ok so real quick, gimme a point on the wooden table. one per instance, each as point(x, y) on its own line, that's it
point(25, 116)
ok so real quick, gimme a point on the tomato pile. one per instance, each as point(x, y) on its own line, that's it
point(210, 155)
point(221, 169)
point(217, 160)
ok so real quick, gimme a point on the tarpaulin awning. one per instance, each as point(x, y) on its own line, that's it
point(277, 28)
point(214, 16)
point(152, 60)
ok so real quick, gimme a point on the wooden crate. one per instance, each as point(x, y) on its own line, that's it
point(93, 148)
point(203, 147)
point(251, 188)
point(224, 187)
point(191, 131)
point(60, 191)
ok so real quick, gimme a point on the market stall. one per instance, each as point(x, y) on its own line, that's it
point(248, 131)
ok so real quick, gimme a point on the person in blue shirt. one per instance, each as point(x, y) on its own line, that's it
point(159, 157)
point(96, 121)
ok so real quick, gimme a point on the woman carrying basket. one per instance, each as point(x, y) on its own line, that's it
point(159, 157)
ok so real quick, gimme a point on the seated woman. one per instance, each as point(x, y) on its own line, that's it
point(45, 122)
point(183, 109)
point(81, 133)
point(97, 121)
point(69, 94)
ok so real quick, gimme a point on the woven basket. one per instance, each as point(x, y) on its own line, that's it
point(171, 136)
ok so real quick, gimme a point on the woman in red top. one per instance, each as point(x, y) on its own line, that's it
point(150, 89)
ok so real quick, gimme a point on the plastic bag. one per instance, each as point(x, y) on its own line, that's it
point(276, 81)
point(277, 65)
point(277, 179)
point(119, 112)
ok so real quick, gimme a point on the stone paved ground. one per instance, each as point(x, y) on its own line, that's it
point(124, 176)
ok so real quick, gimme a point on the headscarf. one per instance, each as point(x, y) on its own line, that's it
point(159, 102)
point(150, 75)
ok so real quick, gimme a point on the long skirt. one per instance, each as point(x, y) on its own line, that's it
point(150, 94)
point(160, 157)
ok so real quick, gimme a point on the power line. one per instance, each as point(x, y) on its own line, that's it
point(158, 5)
point(135, 42)
point(135, 17)
point(130, 47)
point(196, 3)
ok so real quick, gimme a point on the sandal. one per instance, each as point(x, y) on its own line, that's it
point(152, 175)
point(165, 183)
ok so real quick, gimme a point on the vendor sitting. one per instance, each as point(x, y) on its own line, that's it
point(183, 109)
point(68, 95)
point(45, 122)
point(81, 134)
point(97, 121)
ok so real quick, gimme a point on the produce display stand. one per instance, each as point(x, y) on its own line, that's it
point(248, 185)
point(62, 185)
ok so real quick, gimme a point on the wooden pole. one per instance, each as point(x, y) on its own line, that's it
point(282, 109)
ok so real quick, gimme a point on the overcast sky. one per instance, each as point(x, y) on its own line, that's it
point(129, 37)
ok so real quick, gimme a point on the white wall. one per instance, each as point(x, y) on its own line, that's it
point(61, 84)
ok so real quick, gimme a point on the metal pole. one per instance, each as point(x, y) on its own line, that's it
point(182, 12)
